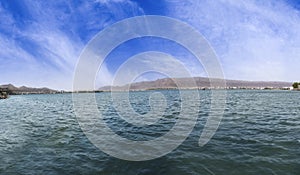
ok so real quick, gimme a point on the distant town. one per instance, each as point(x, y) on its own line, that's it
point(203, 83)
point(160, 84)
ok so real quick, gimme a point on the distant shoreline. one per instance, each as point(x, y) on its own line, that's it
point(159, 89)
point(193, 83)
point(200, 83)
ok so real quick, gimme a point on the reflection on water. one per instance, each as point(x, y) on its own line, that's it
point(259, 134)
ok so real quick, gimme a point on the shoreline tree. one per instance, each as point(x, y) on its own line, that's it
point(296, 85)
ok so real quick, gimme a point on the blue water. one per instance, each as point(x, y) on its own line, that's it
point(259, 134)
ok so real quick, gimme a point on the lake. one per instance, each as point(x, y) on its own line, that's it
point(259, 134)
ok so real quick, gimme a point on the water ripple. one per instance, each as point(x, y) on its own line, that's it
point(259, 134)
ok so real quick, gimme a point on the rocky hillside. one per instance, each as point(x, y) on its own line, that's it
point(13, 90)
point(168, 83)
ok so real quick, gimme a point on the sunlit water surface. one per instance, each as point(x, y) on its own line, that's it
point(259, 134)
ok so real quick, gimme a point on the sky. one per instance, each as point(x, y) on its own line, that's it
point(41, 41)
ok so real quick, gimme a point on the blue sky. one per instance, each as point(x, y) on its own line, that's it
point(40, 41)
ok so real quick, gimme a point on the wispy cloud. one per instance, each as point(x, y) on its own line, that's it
point(40, 45)
point(255, 40)
point(40, 41)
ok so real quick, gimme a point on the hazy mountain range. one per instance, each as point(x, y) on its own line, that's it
point(13, 90)
point(165, 83)
point(201, 82)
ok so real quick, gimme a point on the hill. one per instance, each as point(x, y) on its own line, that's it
point(13, 90)
point(201, 82)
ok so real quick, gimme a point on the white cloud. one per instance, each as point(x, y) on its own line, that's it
point(148, 66)
point(53, 31)
point(255, 40)
point(109, 1)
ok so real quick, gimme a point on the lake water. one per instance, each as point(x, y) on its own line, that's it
point(259, 134)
